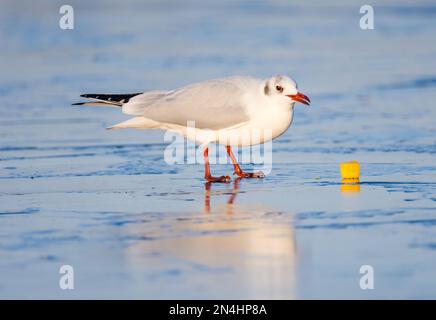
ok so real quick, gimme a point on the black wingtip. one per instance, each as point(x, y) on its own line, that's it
point(124, 98)
point(90, 95)
point(78, 104)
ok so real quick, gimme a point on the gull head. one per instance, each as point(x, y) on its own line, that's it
point(284, 90)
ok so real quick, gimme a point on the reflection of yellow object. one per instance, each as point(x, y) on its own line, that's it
point(350, 187)
point(350, 171)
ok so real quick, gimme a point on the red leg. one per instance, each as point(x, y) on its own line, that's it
point(207, 174)
point(238, 169)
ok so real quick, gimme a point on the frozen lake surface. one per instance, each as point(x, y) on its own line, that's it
point(134, 227)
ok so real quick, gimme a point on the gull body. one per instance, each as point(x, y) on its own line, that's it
point(234, 111)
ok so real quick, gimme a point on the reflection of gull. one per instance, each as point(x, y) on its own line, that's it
point(245, 254)
point(207, 187)
point(237, 111)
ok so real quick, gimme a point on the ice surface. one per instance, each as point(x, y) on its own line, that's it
point(134, 227)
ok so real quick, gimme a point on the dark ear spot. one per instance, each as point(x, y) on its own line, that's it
point(266, 89)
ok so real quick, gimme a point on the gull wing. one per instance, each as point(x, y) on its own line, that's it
point(214, 104)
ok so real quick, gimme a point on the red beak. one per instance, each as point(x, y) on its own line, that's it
point(300, 98)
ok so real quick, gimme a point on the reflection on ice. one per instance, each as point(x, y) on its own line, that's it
point(350, 187)
point(135, 227)
point(226, 251)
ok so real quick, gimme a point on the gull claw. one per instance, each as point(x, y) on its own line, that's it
point(258, 174)
point(223, 179)
point(226, 179)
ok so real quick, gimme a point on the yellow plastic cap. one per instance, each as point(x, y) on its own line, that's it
point(350, 171)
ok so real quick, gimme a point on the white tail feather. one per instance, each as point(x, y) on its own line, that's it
point(136, 123)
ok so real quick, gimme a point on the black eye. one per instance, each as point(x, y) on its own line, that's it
point(279, 88)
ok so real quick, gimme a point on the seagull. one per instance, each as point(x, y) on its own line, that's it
point(233, 111)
